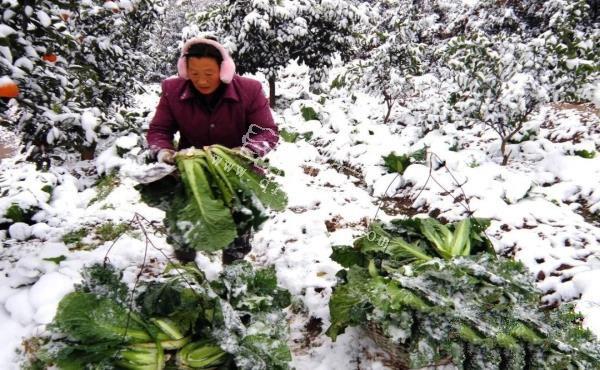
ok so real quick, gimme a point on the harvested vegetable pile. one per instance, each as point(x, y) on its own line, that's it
point(223, 195)
point(181, 322)
point(437, 294)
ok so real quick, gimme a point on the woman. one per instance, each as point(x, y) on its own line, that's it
point(209, 104)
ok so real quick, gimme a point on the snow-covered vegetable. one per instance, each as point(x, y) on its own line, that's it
point(182, 321)
point(479, 311)
point(398, 163)
point(420, 240)
point(222, 198)
point(201, 355)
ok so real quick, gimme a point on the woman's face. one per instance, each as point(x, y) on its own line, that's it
point(204, 74)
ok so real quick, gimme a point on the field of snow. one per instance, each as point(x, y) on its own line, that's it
point(544, 206)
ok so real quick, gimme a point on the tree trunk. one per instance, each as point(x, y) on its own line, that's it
point(505, 155)
point(272, 91)
point(389, 104)
point(505, 140)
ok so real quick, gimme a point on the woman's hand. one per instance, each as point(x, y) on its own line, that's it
point(166, 156)
point(245, 151)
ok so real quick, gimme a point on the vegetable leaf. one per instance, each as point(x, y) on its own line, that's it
point(268, 192)
point(348, 257)
point(396, 163)
point(205, 223)
point(89, 319)
point(264, 352)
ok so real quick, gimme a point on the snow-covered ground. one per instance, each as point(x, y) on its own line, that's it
point(544, 206)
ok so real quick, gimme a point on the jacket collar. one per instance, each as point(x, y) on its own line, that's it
point(230, 92)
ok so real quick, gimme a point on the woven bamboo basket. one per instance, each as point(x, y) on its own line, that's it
point(398, 353)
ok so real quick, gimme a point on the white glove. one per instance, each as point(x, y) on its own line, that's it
point(166, 156)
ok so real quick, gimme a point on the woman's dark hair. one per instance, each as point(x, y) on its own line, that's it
point(204, 50)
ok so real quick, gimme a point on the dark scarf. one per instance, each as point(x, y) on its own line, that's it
point(210, 101)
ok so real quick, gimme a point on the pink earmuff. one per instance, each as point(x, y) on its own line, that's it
point(227, 65)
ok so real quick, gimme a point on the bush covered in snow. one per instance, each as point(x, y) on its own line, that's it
point(477, 62)
point(72, 62)
point(265, 35)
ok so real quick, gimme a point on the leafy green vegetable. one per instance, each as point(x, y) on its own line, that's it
point(288, 136)
point(15, 213)
point(251, 290)
point(379, 242)
point(309, 114)
point(221, 200)
point(174, 303)
point(110, 231)
point(89, 318)
point(395, 163)
point(292, 136)
point(205, 221)
point(255, 296)
point(105, 185)
point(479, 310)
point(419, 239)
point(160, 193)
point(348, 256)
point(169, 327)
point(104, 281)
point(142, 357)
point(48, 189)
point(57, 259)
point(75, 237)
point(448, 244)
point(265, 352)
point(201, 355)
point(398, 163)
point(588, 154)
point(350, 304)
point(267, 192)
point(179, 321)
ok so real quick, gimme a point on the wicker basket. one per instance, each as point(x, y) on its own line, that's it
point(398, 353)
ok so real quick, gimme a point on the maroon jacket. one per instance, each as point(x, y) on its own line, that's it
point(241, 117)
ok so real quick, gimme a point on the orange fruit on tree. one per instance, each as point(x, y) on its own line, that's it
point(8, 88)
point(50, 58)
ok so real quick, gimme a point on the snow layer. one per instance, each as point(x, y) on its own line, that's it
point(541, 206)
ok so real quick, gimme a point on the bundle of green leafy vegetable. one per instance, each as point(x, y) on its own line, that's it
point(399, 163)
point(221, 195)
point(180, 322)
point(438, 293)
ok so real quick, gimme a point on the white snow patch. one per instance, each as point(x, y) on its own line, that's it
point(19, 231)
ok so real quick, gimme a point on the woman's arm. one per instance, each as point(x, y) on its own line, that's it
point(163, 125)
point(262, 134)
